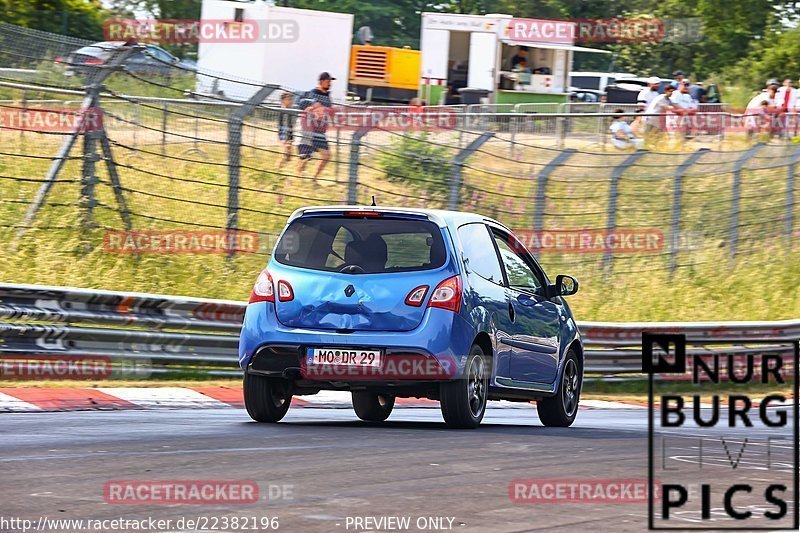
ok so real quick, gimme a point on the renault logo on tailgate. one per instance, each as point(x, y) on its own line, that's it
point(349, 290)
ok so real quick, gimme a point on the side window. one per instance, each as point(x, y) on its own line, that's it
point(520, 274)
point(479, 252)
point(159, 54)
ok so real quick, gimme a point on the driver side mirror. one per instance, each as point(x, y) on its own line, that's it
point(564, 286)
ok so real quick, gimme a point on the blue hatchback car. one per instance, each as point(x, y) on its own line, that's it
point(392, 303)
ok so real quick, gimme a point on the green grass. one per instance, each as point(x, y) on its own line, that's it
point(50, 74)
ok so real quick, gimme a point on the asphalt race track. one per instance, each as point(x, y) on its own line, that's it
point(57, 464)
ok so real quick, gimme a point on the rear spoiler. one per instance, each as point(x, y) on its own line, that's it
point(367, 210)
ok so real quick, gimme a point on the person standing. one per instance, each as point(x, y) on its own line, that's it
point(660, 105)
point(521, 55)
point(685, 107)
point(679, 77)
point(698, 92)
point(316, 104)
point(649, 93)
point(761, 109)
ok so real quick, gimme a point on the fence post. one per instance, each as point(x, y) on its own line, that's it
point(88, 175)
point(677, 194)
point(235, 154)
point(790, 197)
point(163, 129)
point(561, 131)
point(513, 130)
point(116, 184)
point(541, 186)
point(456, 167)
point(93, 87)
point(352, 171)
point(737, 196)
point(613, 195)
point(337, 154)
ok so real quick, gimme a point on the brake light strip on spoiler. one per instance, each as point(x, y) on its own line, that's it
point(367, 211)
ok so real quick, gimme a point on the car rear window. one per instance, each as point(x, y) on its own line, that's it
point(361, 245)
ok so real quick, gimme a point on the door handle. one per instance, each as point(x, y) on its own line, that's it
point(511, 312)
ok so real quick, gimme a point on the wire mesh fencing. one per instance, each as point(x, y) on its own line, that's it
point(181, 190)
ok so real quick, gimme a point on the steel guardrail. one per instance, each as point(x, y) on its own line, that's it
point(197, 335)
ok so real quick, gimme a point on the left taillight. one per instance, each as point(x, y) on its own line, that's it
point(263, 290)
point(417, 296)
point(447, 295)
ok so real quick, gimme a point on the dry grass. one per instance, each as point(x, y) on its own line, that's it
point(187, 189)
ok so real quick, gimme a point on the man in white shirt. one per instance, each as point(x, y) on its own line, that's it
point(649, 93)
point(685, 107)
point(763, 112)
point(683, 99)
point(660, 105)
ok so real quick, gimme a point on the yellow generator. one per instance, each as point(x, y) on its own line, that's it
point(384, 73)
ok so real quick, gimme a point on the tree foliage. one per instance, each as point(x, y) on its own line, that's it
point(77, 18)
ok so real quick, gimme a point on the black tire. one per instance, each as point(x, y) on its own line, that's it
point(561, 409)
point(464, 401)
point(372, 407)
point(266, 399)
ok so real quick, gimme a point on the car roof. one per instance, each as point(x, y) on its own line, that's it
point(643, 81)
point(441, 217)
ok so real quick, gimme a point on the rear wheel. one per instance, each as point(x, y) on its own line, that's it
point(464, 400)
point(561, 409)
point(372, 407)
point(266, 399)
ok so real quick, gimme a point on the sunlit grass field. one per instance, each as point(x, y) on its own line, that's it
point(186, 188)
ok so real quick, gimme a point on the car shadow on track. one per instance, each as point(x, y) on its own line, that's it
point(375, 428)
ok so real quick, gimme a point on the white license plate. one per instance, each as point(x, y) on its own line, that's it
point(338, 356)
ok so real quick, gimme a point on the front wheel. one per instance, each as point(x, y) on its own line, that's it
point(561, 409)
point(464, 400)
point(266, 399)
point(372, 407)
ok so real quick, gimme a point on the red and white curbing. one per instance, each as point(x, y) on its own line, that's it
point(26, 400)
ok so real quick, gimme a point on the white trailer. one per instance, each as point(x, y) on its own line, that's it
point(268, 44)
point(477, 52)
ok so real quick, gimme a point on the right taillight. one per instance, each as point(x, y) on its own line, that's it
point(447, 295)
point(263, 290)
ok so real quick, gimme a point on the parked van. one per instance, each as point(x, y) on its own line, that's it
point(596, 80)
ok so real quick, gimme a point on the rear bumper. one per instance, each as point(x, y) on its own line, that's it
point(435, 350)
